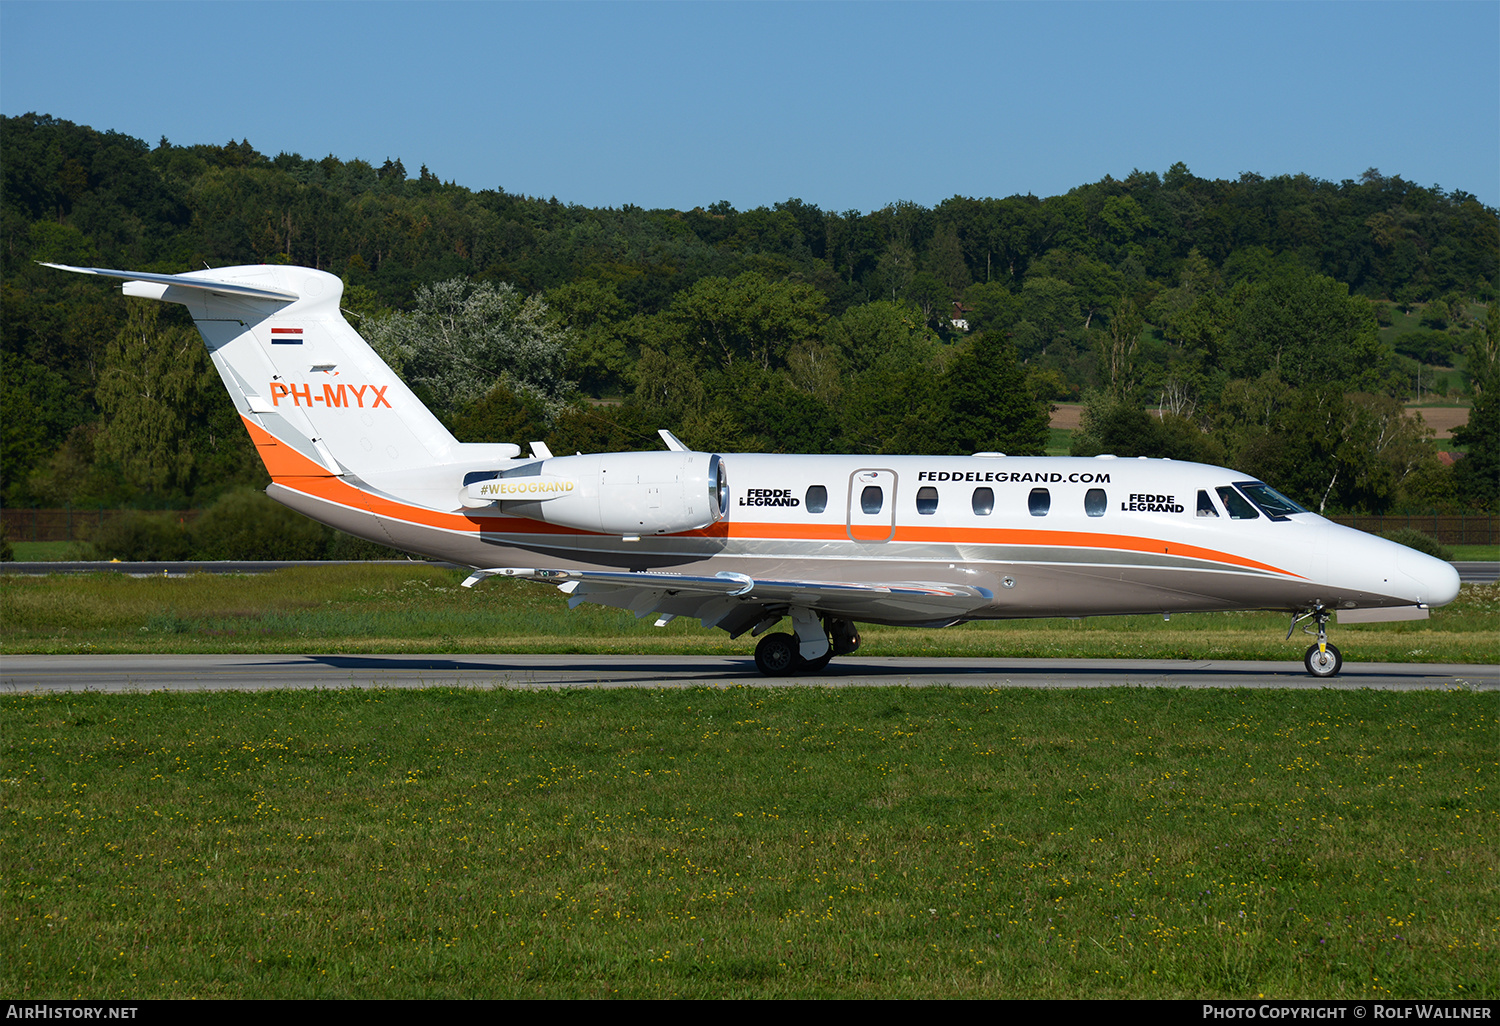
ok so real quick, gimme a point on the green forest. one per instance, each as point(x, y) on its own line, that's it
point(1276, 325)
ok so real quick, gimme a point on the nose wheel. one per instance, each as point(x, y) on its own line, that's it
point(1322, 660)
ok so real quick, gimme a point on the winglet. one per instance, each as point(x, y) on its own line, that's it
point(673, 442)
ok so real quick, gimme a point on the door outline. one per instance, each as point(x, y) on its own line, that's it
point(871, 527)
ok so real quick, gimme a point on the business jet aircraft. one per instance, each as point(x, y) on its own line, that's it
point(741, 541)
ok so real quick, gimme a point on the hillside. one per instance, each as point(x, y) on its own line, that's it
point(1278, 323)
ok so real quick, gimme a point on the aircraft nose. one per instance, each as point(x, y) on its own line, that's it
point(1437, 581)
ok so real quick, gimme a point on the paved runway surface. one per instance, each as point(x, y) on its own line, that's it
point(127, 673)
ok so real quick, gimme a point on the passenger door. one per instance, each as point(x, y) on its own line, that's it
point(872, 505)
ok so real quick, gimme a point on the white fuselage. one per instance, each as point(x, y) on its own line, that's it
point(1045, 536)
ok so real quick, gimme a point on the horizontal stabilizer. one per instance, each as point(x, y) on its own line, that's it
point(187, 282)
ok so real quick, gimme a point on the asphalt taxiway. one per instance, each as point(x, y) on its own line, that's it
point(145, 673)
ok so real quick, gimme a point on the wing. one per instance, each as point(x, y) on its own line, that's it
point(736, 602)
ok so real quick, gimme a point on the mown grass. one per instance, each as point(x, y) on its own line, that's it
point(1135, 843)
point(418, 608)
point(48, 551)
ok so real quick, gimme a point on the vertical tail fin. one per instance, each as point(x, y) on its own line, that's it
point(315, 397)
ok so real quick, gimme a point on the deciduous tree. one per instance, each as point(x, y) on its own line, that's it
point(461, 339)
point(145, 390)
point(989, 405)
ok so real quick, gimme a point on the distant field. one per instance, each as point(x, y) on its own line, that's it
point(1065, 419)
point(1442, 419)
point(1066, 416)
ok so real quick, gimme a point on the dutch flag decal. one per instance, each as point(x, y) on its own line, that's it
point(286, 336)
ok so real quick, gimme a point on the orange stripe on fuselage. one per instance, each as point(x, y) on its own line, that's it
point(290, 469)
point(987, 536)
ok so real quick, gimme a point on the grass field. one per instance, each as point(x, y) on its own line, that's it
point(418, 608)
point(49, 551)
point(798, 842)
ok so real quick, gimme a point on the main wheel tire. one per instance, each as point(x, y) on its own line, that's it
point(776, 655)
point(814, 665)
point(1323, 664)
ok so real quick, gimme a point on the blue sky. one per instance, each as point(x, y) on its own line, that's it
point(846, 105)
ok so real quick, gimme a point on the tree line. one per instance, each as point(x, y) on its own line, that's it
point(1246, 322)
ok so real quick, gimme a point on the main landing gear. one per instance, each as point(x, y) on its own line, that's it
point(1322, 659)
point(809, 650)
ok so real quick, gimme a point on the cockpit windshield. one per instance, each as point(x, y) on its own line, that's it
point(1238, 506)
point(1272, 503)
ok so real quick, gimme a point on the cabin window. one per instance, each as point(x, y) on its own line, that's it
point(871, 499)
point(1094, 502)
point(1239, 507)
point(817, 499)
point(1039, 502)
point(984, 501)
point(1206, 505)
point(927, 501)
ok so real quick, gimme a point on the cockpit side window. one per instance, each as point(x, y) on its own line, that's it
point(1206, 505)
point(1271, 502)
point(1238, 506)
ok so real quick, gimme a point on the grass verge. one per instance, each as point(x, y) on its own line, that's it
point(1127, 843)
point(49, 552)
point(417, 608)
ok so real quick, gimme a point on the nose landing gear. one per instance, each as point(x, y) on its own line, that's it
point(1322, 660)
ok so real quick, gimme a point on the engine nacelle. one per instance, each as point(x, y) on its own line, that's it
point(625, 493)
